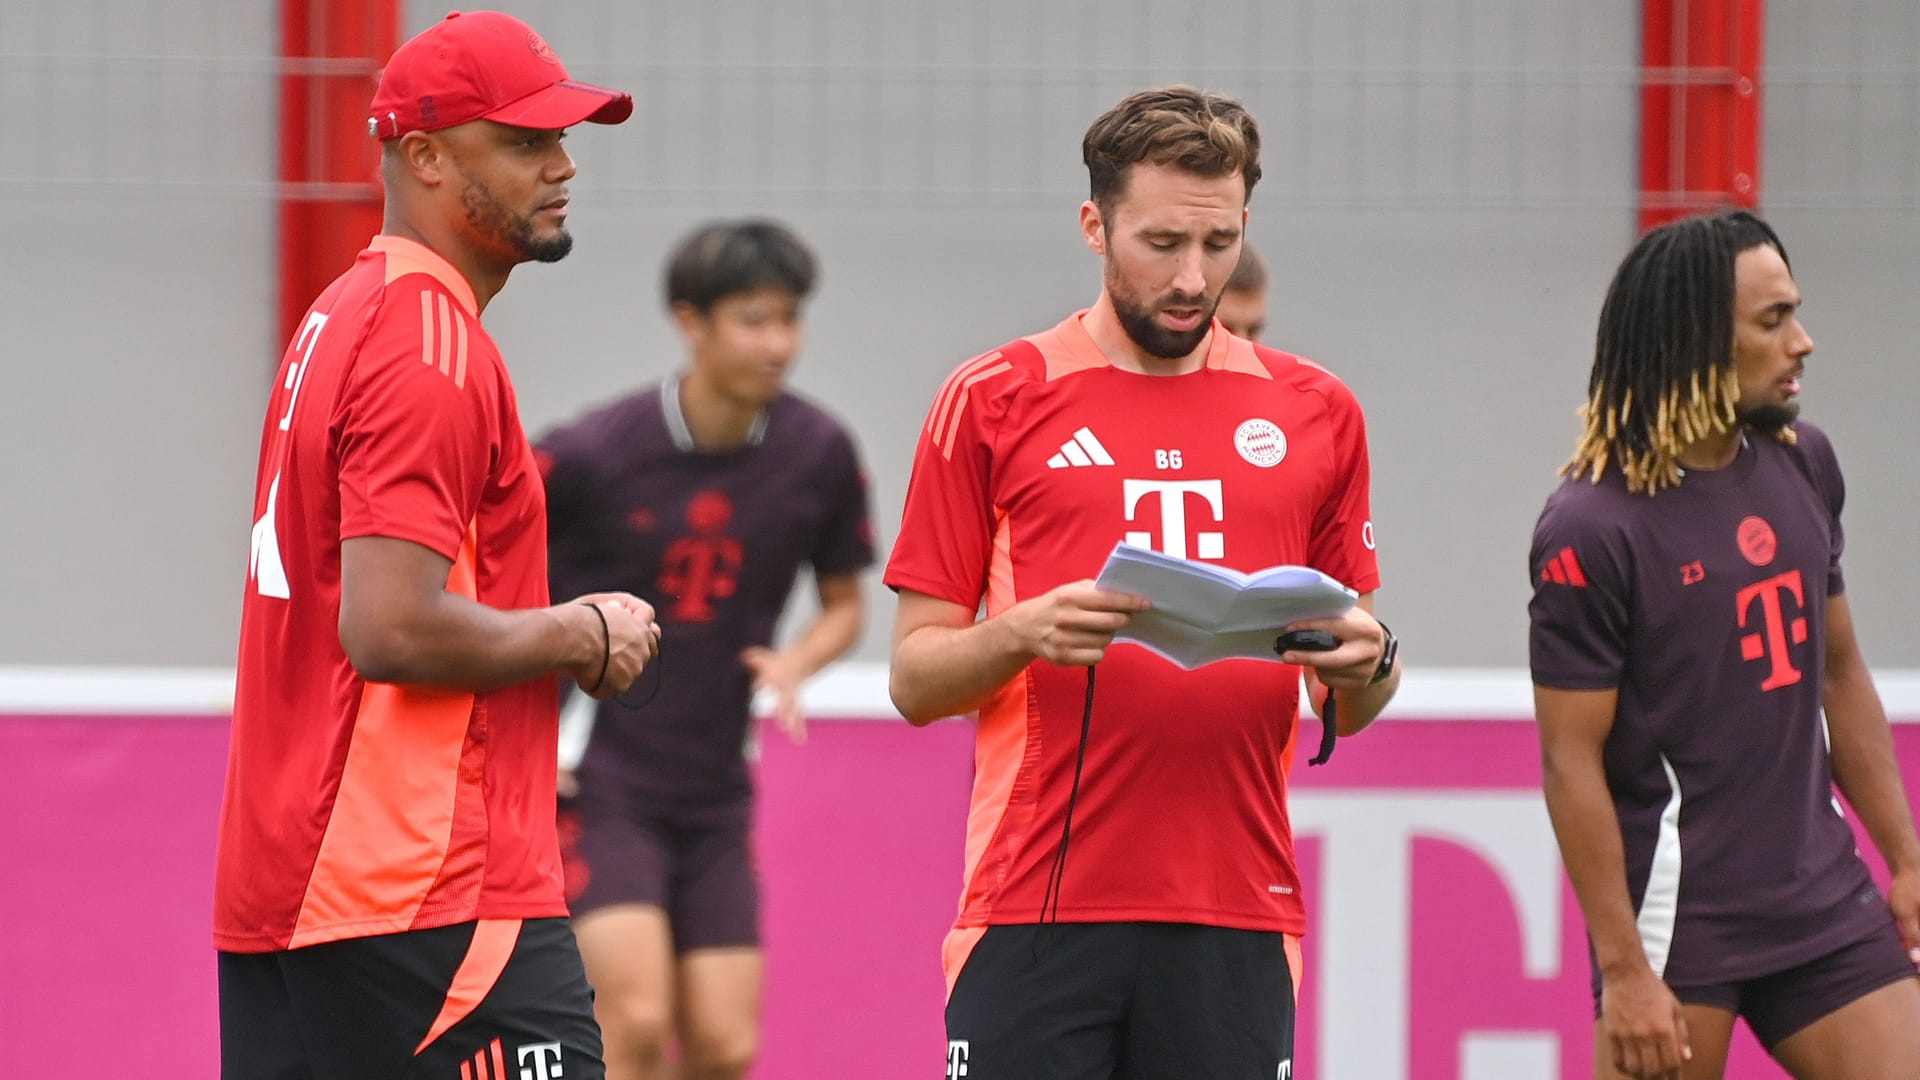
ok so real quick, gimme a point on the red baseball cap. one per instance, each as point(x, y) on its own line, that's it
point(483, 65)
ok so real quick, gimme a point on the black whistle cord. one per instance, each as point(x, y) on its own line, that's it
point(659, 679)
point(1329, 730)
point(1056, 875)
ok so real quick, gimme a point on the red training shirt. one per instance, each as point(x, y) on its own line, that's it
point(1034, 460)
point(355, 808)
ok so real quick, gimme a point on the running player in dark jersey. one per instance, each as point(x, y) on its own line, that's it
point(1689, 625)
point(707, 492)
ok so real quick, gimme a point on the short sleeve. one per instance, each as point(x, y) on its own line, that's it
point(1823, 465)
point(1578, 618)
point(1342, 544)
point(846, 544)
point(414, 446)
point(946, 532)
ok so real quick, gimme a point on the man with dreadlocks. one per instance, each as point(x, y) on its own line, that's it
point(1689, 625)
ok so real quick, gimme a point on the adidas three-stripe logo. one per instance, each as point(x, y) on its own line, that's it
point(1079, 452)
point(1564, 569)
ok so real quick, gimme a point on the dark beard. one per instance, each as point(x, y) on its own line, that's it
point(546, 251)
point(1156, 339)
point(491, 218)
point(1769, 419)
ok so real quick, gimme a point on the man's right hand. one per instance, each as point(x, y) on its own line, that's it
point(1074, 623)
point(1642, 1023)
point(632, 639)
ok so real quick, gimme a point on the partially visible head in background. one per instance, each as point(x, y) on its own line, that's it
point(1243, 303)
point(1699, 338)
point(1169, 171)
point(736, 291)
point(470, 113)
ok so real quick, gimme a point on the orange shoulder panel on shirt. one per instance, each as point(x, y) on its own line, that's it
point(1229, 353)
point(443, 336)
point(1068, 348)
point(444, 311)
point(943, 422)
point(405, 257)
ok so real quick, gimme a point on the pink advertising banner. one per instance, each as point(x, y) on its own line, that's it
point(1445, 942)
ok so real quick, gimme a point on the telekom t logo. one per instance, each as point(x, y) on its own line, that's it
point(540, 1070)
point(1771, 641)
point(698, 569)
point(1173, 516)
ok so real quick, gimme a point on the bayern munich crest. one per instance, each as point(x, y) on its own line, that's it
point(1260, 442)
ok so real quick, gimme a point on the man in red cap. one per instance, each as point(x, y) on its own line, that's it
point(388, 897)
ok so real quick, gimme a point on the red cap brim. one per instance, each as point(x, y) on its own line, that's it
point(563, 105)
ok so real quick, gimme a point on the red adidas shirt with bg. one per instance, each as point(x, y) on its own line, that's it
point(1035, 459)
point(355, 808)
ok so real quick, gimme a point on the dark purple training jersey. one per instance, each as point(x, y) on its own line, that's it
point(1705, 605)
point(714, 541)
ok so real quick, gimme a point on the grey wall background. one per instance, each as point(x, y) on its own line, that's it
point(1449, 184)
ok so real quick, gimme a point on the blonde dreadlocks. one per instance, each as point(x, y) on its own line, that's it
point(1663, 358)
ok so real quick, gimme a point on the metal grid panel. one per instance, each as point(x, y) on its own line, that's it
point(1842, 105)
point(138, 99)
point(849, 102)
point(1363, 103)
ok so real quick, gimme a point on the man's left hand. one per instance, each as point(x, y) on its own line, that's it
point(1350, 666)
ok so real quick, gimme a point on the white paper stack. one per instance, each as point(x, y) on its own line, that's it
point(1203, 613)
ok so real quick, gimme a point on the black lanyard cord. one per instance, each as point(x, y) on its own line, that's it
point(1329, 730)
point(1056, 875)
point(659, 677)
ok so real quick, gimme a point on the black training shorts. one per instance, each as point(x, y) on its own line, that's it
point(499, 999)
point(1122, 1001)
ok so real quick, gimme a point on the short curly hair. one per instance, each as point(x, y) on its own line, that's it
point(1197, 131)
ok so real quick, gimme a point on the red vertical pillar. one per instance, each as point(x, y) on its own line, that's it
point(331, 52)
point(1699, 106)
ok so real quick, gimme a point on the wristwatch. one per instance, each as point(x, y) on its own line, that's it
point(1388, 655)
